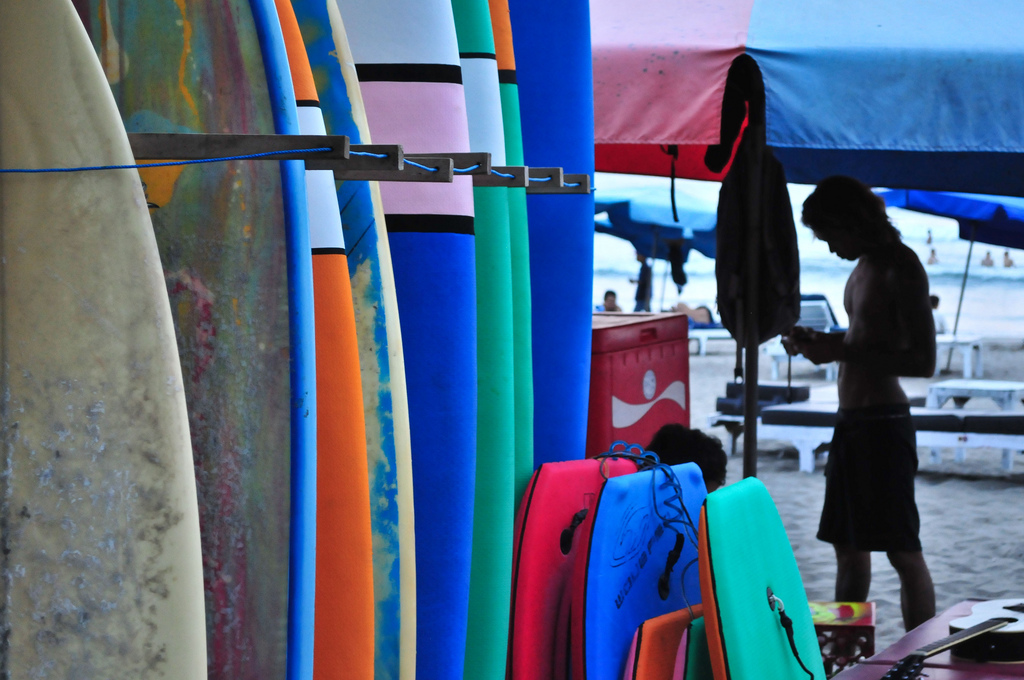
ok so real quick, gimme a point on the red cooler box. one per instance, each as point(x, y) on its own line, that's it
point(639, 378)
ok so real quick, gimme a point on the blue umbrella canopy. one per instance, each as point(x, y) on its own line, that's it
point(642, 214)
point(996, 220)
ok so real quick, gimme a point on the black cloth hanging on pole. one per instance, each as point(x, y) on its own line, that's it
point(778, 307)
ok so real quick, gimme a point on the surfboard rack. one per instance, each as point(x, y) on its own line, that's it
point(518, 177)
point(464, 163)
point(362, 162)
point(576, 184)
point(381, 162)
point(437, 168)
point(193, 146)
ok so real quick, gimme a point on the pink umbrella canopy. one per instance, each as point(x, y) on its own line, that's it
point(896, 92)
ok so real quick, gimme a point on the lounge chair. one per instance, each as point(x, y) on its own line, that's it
point(809, 425)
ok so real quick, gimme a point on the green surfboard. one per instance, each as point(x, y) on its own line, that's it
point(522, 314)
point(494, 504)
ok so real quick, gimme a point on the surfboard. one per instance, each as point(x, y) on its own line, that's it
point(555, 76)
point(637, 561)
point(557, 500)
point(343, 634)
point(102, 571)
point(301, 308)
point(235, 252)
point(745, 556)
point(380, 346)
point(494, 502)
point(407, 59)
point(652, 654)
point(522, 307)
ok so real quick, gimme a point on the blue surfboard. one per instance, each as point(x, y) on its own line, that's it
point(302, 560)
point(555, 75)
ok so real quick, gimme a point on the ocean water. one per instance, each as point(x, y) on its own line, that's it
point(993, 303)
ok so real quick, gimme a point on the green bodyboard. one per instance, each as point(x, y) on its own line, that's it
point(698, 662)
point(744, 552)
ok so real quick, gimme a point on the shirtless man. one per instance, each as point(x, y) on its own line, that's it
point(869, 488)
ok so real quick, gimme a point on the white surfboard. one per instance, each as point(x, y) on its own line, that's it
point(102, 574)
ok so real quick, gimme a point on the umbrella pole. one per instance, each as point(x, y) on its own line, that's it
point(755, 210)
point(963, 287)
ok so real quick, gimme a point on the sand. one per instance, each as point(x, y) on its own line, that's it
point(972, 513)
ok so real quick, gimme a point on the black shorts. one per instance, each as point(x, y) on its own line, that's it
point(869, 481)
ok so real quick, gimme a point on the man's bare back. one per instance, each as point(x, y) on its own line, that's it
point(892, 331)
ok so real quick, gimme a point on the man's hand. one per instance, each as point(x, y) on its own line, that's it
point(796, 339)
point(819, 348)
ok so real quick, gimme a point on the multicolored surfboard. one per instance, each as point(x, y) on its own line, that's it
point(102, 569)
point(487, 631)
point(380, 347)
point(407, 58)
point(344, 561)
point(555, 75)
point(522, 306)
point(234, 245)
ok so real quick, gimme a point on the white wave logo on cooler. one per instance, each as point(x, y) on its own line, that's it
point(625, 414)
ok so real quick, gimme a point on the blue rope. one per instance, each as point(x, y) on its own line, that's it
point(502, 174)
point(418, 165)
point(538, 179)
point(469, 169)
point(367, 153)
point(160, 165)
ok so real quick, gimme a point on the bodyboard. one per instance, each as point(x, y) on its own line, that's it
point(382, 361)
point(102, 571)
point(638, 562)
point(343, 609)
point(652, 654)
point(692, 659)
point(744, 553)
point(557, 500)
point(407, 60)
point(494, 502)
point(555, 76)
point(221, 232)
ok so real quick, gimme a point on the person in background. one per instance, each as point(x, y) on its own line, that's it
point(869, 480)
point(698, 316)
point(610, 304)
point(676, 444)
point(933, 258)
point(1007, 260)
point(988, 261)
point(939, 319)
point(644, 287)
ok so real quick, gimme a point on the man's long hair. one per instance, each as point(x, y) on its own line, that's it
point(841, 203)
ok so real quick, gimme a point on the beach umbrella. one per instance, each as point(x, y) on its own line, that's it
point(894, 92)
point(646, 217)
